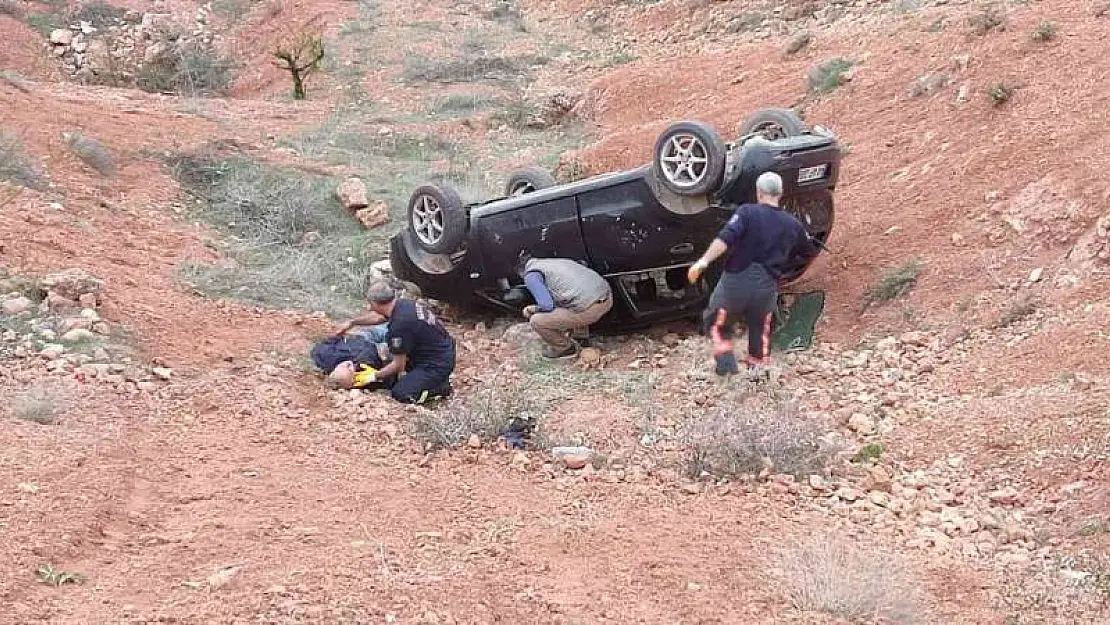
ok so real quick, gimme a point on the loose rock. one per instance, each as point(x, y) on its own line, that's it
point(352, 194)
point(16, 306)
point(373, 216)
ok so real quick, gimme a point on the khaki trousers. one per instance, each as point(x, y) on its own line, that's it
point(553, 327)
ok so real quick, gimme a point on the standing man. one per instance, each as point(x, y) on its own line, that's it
point(423, 353)
point(569, 297)
point(763, 242)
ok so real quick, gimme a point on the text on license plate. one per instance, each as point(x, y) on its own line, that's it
point(816, 172)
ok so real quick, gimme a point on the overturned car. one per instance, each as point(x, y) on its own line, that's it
point(640, 228)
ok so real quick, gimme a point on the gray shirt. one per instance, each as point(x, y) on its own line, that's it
point(572, 286)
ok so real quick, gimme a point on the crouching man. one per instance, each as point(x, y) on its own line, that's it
point(422, 352)
point(570, 297)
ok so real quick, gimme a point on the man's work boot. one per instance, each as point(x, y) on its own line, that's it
point(581, 336)
point(555, 353)
point(726, 364)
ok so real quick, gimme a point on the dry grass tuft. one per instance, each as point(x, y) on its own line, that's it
point(827, 574)
point(733, 440)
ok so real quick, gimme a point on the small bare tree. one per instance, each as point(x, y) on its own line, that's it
point(300, 55)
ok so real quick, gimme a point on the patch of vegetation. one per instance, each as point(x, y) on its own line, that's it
point(936, 25)
point(461, 104)
point(192, 70)
point(16, 166)
point(620, 58)
point(365, 23)
point(902, 7)
point(1094, 526)
point(98, 13)
point(926, 84)
point(469, 67)
point(894, 282)
point(1045, 31)
point(507, 12)
point(39, 405)
point(91, 152)
point(391, 164)
point(486, 414)
point(990, 18)
point(518, 114)
point(1016, 312)
point(867, 453)
point(291, 243)
point(11, 8)
point(56, 577)
point(732, 441)
point(1000, 93)
point(827, 574)
point(557, 383)
point(231, 9)
point(826, 77)
point(46, 22)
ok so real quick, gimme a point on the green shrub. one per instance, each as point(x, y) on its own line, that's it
point(894, 282)
point(827, 76)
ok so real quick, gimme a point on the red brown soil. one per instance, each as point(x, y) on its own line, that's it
point(333, 515)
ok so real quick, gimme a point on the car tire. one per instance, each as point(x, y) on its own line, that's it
point(689, 159)
point(528, 180)
point(773, 123)
point(437, 218)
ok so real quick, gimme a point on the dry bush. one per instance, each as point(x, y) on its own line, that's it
point(1000, 93)
point(1045, 31)
point(926, 84)
point(40, 405)
point(92, 152)
point(827, 76)
point(894, 282)
point(508, 13)
point(990, 18)
point(486, 414)
point(469, 68)
point(15, 166)
point(735, 440)
point(827, 574)
point(190, 69)
point(97, 13)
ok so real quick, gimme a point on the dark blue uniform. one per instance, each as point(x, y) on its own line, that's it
point(414, 331)
point(764, 243)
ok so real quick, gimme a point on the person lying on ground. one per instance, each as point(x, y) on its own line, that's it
point(422, 352)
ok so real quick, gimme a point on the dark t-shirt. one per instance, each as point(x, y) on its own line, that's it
point(415, 332)
point(763, 234)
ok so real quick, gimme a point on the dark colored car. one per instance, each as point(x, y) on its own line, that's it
point(640, 228)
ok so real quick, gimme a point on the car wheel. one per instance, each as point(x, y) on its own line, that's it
point(773, 123)
point(528, 180)
point(689, 159)
point(437, 218)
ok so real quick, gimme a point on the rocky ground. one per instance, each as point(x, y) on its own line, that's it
point(938, 457)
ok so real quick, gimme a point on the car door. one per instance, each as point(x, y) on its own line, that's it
point(544, 223)
point(626, 229)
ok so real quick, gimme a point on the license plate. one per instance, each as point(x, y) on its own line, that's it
point(807, 174)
